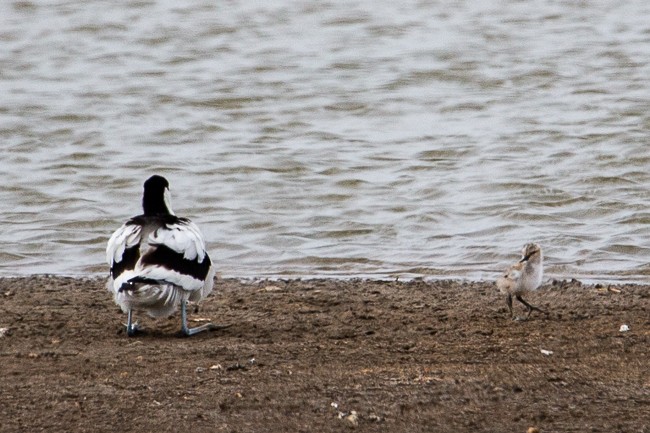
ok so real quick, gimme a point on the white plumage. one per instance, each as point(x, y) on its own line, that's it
point(158, 261)
point(523, 277)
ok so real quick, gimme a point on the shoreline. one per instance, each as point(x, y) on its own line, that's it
point(550, 280)
point(328, 355)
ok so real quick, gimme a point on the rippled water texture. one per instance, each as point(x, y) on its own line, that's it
point(357, 138)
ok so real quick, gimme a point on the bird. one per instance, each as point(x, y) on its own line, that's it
point(523, 277)
point(158, 261)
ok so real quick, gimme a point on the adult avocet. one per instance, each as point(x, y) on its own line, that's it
point(158, 261)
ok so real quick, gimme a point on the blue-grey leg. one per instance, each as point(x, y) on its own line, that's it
point(191, 331)
point(131, 328)
point(509, 302)
point(529, 308)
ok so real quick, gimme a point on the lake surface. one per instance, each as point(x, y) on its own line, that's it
point(357, 138)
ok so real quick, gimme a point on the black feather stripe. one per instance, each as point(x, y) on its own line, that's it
point(142, 280)
point(170, 259)
point(129, 259)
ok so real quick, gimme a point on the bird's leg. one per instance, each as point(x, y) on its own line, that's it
point(509, 302)
point(131, 328)
point(191, 331)
point(529, 307)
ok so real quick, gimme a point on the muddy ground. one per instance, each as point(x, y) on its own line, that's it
point(327, 356)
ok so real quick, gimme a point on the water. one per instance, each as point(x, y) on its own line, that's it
point(357, 138)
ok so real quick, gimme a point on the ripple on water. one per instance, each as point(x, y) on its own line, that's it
point(386, 140)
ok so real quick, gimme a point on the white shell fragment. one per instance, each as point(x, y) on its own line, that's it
point(546, 352)
point(623, 328)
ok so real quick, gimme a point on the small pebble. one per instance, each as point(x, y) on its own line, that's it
point(353, 419)
point(374, 417)
point(623, 328)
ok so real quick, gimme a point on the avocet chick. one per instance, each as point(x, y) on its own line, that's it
point(158, 261)
point(523, 277)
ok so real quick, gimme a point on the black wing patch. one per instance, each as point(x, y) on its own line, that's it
point(170, 259)
point(129, 259)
